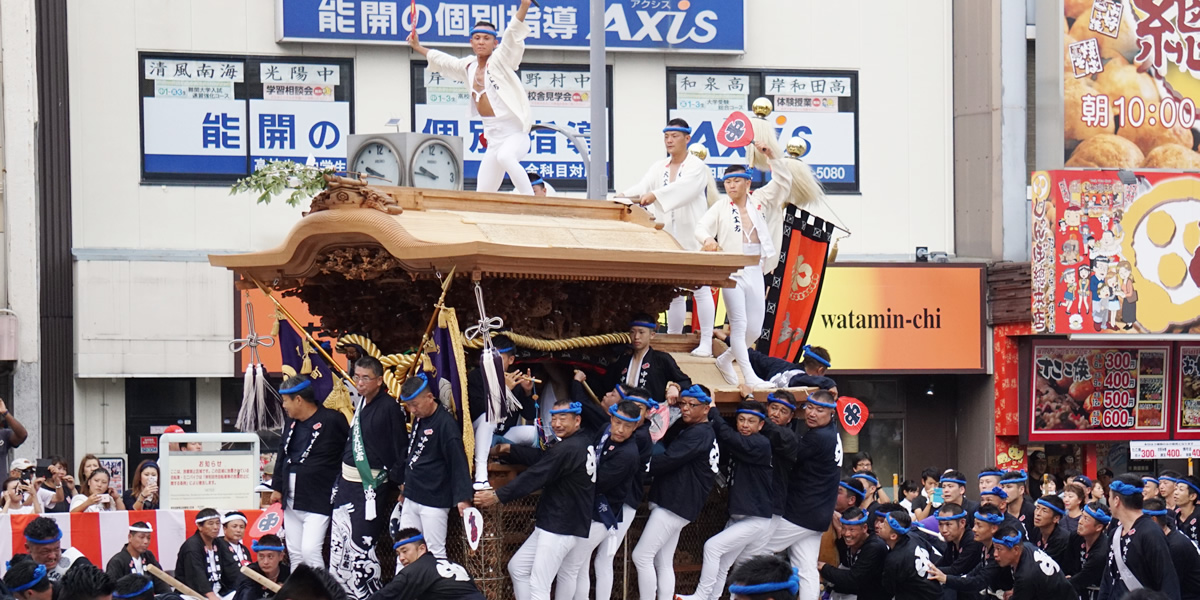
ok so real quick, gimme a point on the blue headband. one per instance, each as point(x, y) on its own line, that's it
point(416, 538)
point(1124, 489)
point(961, 515)
point(257, 547)
point(772, 398)
point(952, 480)
point(303, 385)
point(894, 524)
point(742, 175)
point(745, 411)
point(857, 492)
point(506, 350)
point(858, 521)
point(1009, 541)
point(646, 324)
point(1041, 502)
point(865, 476)
point(1153, 480)
point(1154, 513)
point(1189, 484)
point(808, 353)
point(669, 128)
point(993, 519)
point(574, 408)
point(149, 586)
point(991, 474)
point(424, 384)
point(649, 402)
point(491, 32)
point(1097, 515)
point(1021, 478)
point(38, 575)
point(42, 542)
point(697, 393)
point(813, 400)
point(612, 410)
point(792, 585)
point(995, 492)
point(1169, 478)
point(538, 181)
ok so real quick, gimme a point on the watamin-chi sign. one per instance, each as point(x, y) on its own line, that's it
point(1115, 252)
point(902, 318)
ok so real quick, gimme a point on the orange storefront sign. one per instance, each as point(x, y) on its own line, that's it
point(902, 318)
point(264, 323)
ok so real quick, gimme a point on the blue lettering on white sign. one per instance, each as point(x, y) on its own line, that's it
point(219, 131)
point(713, 26)
point(276, 131)
point(322, 130)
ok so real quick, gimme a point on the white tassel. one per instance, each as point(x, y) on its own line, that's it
point(493, 381)
point(245, 413)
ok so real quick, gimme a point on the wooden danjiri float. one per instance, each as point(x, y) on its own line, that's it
point(564, 274)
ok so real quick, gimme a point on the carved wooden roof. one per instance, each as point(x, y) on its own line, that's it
point(489, 235)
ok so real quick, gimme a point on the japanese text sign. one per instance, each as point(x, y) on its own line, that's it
point(710, 26)
point(1130, 83)
point(560, 95)
point(820, 107)
point(1187, 421)
point(1098, 392)
point(1115, 256)
point(221, 480)
point(217, 118)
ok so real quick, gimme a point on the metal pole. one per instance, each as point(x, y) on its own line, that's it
point(597, 173)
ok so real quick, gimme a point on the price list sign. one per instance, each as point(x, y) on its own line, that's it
point(1092, 393)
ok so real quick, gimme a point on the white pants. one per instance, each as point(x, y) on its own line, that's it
point(803, 546)
point(485, 431)
point(604, 558)
point(706, 312)
point(305, 532)
point(760, 545)
point(508, 144)
point(654, 555)
point(430, 521)
point(721, 551)
point(535, 564)
point(746, 306)
point(572, 581)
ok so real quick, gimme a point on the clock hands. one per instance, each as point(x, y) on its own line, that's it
point(371, 171)
point(427, 173)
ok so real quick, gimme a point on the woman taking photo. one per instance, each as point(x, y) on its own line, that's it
point(143, 494)
point(99, 498)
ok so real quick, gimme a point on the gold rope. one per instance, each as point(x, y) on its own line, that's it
point(532, 343)
point(448, 318)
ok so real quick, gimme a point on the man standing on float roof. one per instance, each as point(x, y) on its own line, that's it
point(497, 97)
point(674, 191)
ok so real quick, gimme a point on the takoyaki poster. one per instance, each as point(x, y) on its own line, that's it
point(1101, 392)
point(1130, 87)
point(1115, 255)
point(1187, 421)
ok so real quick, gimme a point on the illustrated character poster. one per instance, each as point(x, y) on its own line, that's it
point(1115, 252)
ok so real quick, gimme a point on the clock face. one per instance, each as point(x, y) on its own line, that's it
point(435, 166)
point(379, 163)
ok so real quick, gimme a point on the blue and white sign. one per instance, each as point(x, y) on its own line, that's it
point(185, 135)
point(707, 26)
point(559, 96)
point(284, 130)
point(214, 119)
point(818, 107)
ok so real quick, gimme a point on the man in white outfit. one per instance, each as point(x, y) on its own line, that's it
point(497, 96)
point(674, 190)
point(738, 225)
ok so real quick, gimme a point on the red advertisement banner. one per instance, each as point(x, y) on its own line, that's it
point(1099, 392)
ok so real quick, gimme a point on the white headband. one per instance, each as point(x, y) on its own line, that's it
point(201, 520)
point(147, 529)
point(233, 517)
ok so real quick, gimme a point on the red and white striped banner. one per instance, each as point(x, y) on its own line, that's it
point(101, 535)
